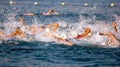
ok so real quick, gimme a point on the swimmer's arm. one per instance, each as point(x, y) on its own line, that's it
point(115, 29)
point(2, 34)
point(109, 34)
point(81, 35)
point(56, 12)
point(66, 42)
point(85, 33)
point(13, 34)
point(54, 25)
point(105, 33)
point(58, 38)
point(22, 35)
point(49, 11)
point(114, 24)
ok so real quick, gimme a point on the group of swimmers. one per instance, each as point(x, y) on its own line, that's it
point(50, 29)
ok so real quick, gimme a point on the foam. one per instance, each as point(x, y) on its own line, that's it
point(66, 27)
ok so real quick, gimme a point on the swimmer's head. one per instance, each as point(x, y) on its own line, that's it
point(20, 19)
point(73, 33)
point(87, 30)
point(44, 13)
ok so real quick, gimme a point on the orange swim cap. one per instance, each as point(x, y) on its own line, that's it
point(87, 30)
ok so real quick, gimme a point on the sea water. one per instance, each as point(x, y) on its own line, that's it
point(45, 52)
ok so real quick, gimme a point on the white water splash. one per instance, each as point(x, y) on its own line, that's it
point(66, 27)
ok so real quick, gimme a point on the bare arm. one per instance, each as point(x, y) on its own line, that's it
point(17, 32)
point(61, 40)
point(49, 11)
point(84, 34)
point(55, 27)
point(114, 24)
point(110, 35)
point(32, 29)
point(2, 34)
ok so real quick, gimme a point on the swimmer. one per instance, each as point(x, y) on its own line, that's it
point(28, 14)
point(20, 19)
point(17, 32)
point(49, 29)
point(112, 40)
point(114, 25)
point(84, 34)
point(51, 12)
point(62, 39)
point(54, 27)
point(32, 29)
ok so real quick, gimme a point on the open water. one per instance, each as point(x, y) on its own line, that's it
point(74, 15)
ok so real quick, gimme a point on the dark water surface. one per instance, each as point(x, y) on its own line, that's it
point(40, 54)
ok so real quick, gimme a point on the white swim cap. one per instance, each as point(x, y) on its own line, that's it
point(23, 29)
point(47, 30)
point(63, 35)
point(73, 33)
